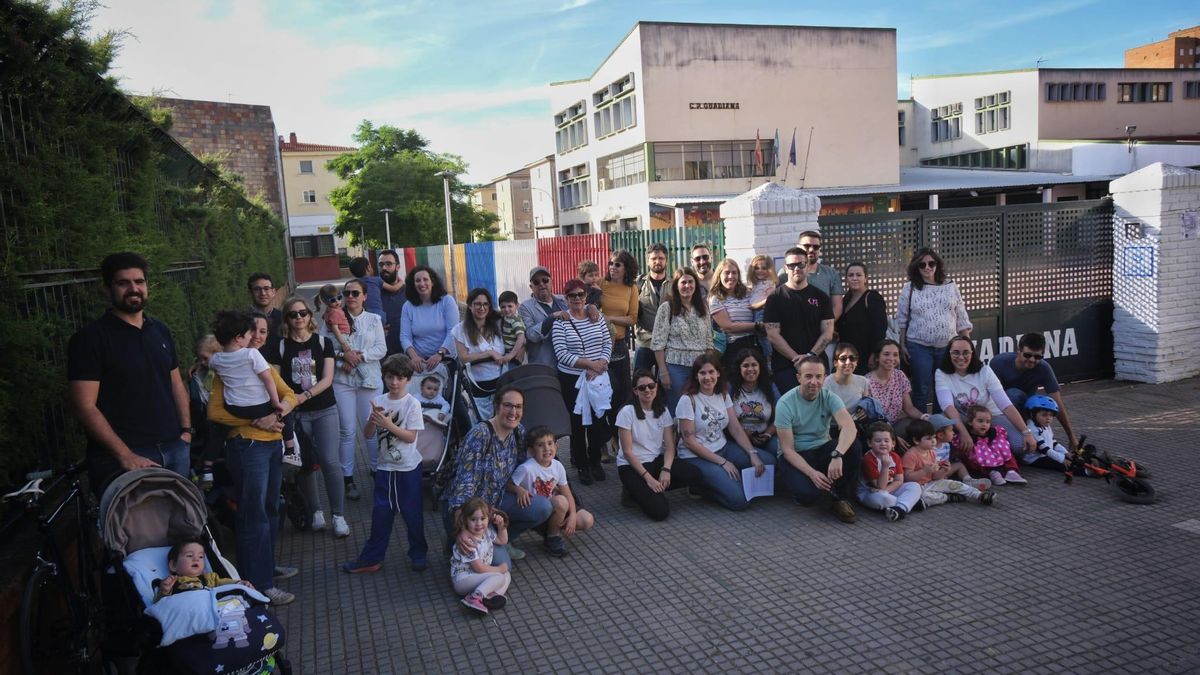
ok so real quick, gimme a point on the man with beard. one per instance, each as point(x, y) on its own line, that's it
point(650, 295)
point(702, 262)
point(262, 300)
point(124, 383)
point(393, 300)
point(810, 462)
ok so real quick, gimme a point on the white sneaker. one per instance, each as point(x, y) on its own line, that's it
point(340, 527)
point(278, 596)
point(318, 521)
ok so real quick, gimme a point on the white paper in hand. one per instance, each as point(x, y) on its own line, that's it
point(758, 486)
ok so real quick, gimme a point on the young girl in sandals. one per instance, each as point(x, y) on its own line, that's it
point(475, 577)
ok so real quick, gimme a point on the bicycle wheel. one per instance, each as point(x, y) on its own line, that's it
point(47, 624)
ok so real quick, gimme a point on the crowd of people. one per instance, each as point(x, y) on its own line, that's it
point(684, 379)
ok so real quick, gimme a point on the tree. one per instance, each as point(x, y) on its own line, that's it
point(393, 168)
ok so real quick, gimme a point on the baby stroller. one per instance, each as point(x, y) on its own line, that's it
point(228, 629)
point(433, 442)
point(544, 404)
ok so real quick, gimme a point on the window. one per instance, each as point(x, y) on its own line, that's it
point(711, 159)
point(614, 106)
point(574, 188)
point(572, 128)
point(310, 196)
point(524, 185)
point(525, 206)
point(1144, 92)
point(946, 123)
point(1011, 157)
point(306, 166)
point(900, 119)
point(313, 246)
point(621, 169)
point(1074, 91)
point(1191, 89)
point(992, 113)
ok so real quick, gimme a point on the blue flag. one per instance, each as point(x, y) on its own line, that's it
point(775, 153)
point(792, 152)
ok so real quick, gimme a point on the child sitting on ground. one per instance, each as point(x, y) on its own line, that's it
point(474, 576)
point(943, 433)
point(589, 274)
point(544, 475)
point(512, 328)
point(990, 452)
point(921, 466)
point(185, 562)
point(396, 417)
point(1050, 453)
point(882, 486)
point(432, 403)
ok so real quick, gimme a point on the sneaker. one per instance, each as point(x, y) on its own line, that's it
point(955, 498)
point(514, 552)
point(987, 498)
point(418, 565)
point(284, 572)
point(981, 484)
point(843, 510)
point(997, 479)
point(920, 505)
point(556, 546)
point(1015, 478)
point(626, 499)
point(362, 567)
point(695, 492)
point(475, 602)
point(341, 529)
point(278, 596)
point(352, 490)
point(598, 474)
point(893, 514)
point(206, 479)
point(291, 457)
point(495, 601)
point(318, 521)
point(585, 475)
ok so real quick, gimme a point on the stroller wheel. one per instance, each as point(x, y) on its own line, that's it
point(1135, 490)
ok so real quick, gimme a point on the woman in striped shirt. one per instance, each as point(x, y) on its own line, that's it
point(582, 347)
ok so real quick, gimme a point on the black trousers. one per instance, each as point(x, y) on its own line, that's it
point(654, 504)
point(586, 441)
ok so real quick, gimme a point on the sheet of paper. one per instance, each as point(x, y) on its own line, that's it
point(758, 486)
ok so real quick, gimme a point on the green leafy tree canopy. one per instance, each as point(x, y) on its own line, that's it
point(393, 168)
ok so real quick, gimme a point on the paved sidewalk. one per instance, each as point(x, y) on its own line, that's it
point(1054, 578)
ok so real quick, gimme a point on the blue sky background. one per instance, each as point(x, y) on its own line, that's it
point(472, 76)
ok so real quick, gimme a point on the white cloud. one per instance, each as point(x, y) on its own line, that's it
point(573, 4)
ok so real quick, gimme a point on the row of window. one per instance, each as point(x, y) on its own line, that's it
point(947, 128)
point(1011, 157)
point(313, 246)
point(574, 188)
point(621, 169)
point(992, 113)
point(1191, 89)
point(1144, 92)
point(615, 110)
point(571, 136)
point(699, 160)
point(1075, 91)
point(615, 116)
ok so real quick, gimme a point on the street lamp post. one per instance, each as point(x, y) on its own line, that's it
point(387, 224)
point(446, 176)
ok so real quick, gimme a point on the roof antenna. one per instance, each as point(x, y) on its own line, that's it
point(1039, 63)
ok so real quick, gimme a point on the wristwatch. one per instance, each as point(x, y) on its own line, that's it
point(187, 430)
point(835, 455)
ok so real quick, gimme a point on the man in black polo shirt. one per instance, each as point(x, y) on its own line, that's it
point(262, 300)
point(124, 383)
point(798, 319)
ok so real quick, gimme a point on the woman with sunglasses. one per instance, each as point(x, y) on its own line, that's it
point(682, 332)
point(646, 464)
point(852, 388)
point(619, 304)
point(963, 381)
point(306, 360)
point(583, 349)
point(357, 380)
point(930, 312)
point(863, 322)
point(477, 341)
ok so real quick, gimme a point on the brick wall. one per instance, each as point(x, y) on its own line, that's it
point(244, 135)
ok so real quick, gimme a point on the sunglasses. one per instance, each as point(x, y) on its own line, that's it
point(796, 266)
point(615, 263)
point(811, 247)
point(331, 298)
point(353, 294)
point(541, 281)
point(647, 387)
point(701, 258)
point(298, 314)
point(927, 264)
point(847, 357)
point(578, 295)
point(1032, 356)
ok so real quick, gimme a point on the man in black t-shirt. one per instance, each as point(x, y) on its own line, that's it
point(124, 383)
point(798, 319)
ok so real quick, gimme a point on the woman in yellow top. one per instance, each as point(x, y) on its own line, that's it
point(254, 456)
point(619, 304)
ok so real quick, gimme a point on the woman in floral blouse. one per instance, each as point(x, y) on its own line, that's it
point(890, 387)
point(682, 332)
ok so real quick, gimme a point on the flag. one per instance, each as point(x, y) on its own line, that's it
point(775, 153)
point(758, 155)
point(792, 152)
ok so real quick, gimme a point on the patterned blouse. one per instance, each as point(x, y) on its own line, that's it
point(684, 337)
point(890, 394)
point(483, 465)
point(932, 315)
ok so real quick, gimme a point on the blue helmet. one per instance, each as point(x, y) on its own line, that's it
point(1041, 402)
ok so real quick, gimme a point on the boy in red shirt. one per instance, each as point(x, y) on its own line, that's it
point(882, 486)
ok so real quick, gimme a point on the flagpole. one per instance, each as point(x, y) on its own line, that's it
point(791, 156)
point(806, 153)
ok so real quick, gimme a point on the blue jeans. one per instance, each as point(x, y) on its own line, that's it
point(396, 491)
point(257, 469)
point(643, 359)
point(679, 377)
point(922, 360)
point(1018, 398)
point(173, 455)
point(724, 490)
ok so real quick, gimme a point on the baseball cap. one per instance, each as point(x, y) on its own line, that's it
point(538, 270)
point(940, 421)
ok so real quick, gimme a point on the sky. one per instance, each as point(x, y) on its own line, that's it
point(473, 76)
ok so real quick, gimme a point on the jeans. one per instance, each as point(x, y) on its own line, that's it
point(803, 490)
point(354, 409)
point(679, 377)
point(724, 490)
point(257, 469)
point(396, 491)
point(173, 455)
point(654, 504)
point(1018, 398)
point(643, 359)
point(904, 498)
point(921, 362)
point(321, 427)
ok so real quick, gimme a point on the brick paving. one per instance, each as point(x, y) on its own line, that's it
point(1054, 578)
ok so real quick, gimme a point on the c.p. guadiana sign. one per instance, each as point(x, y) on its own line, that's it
point(714, 106)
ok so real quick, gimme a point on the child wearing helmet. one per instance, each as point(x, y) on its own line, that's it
point(1050, 454)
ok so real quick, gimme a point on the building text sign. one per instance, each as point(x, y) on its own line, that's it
point(714, 106)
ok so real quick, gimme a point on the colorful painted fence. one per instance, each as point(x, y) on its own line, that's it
point(504, 265)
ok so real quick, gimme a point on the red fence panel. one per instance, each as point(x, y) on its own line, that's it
point(562, 255)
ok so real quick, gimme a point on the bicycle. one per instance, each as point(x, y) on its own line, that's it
point(61, 615)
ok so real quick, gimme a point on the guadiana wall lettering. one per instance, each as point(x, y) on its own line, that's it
point(1059, 342)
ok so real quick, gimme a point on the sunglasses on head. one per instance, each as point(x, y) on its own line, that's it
point(331, 298)
point(353, 294)
point(1033, 356)
point(647, 387)
point(927, 264)
point(298, 314)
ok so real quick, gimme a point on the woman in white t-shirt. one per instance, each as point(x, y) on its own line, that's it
point(962, 381)
point(478, 342)
point(705, 412)
point(646, 464)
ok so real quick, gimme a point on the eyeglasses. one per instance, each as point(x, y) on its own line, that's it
point(811, 247)
point(387, 264)
point(541, 281)
point(331, 298)
point(262, 289)
point(353, 294)
point(795, 265)
point(578, 295)
point(298, 314)
point(927, 264)
point(481, 305)
point(847, 358)
point(701, 258)
point(512, 406)
point(647, 387)
point(1033, 356)
point(961, 352)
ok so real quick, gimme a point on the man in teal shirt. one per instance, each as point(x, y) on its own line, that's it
point(810, 461)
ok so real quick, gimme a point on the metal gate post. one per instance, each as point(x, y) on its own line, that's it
point(1002, 326)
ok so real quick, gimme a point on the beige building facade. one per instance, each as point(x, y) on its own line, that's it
point(307, 184)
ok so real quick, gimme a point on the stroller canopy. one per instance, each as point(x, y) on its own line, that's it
point(150, 507)
point(544, 403)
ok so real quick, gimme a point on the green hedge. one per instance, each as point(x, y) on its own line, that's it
point(87, 173)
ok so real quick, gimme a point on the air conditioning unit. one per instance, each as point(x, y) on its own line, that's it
point(603, 183)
